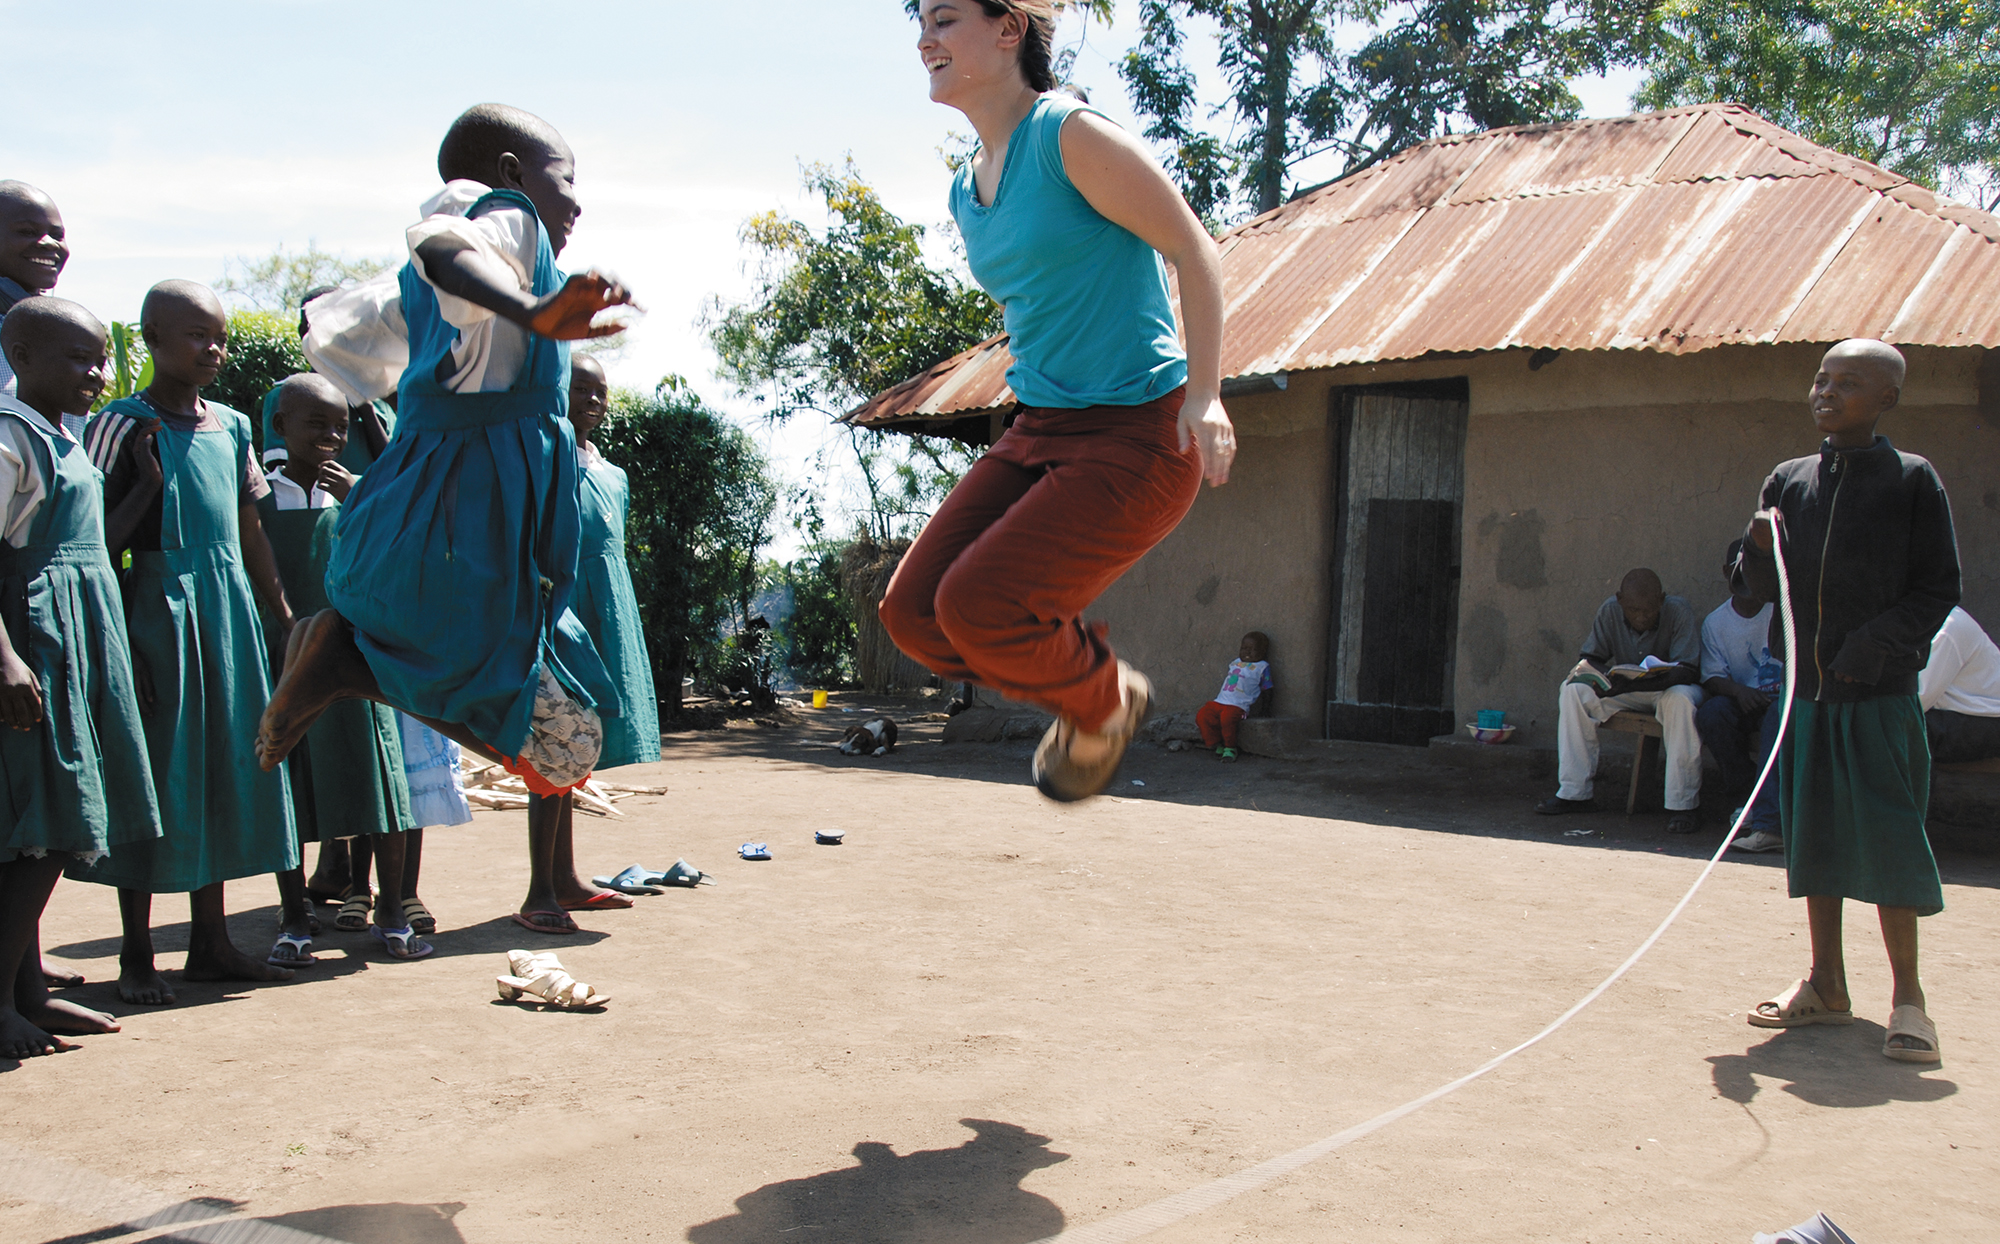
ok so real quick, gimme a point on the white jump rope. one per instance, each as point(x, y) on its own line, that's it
point(1169, 1210)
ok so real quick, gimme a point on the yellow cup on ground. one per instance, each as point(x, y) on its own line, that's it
point(819, 699)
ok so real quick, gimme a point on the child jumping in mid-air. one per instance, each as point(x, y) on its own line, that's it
point(1247, 685)
point(347, 773)
point(181, 485)
point(1873, 567)
point(451, 580)
point(72, 753)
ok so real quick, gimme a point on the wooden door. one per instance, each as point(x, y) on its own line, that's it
point(1401, 492)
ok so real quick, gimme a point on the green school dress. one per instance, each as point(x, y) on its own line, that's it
point(609, 611)
point(77, 782)
point(1854, 786)
point(196, 633)
point(347, 775)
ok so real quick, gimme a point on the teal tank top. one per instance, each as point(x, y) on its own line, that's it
point(1088, 317)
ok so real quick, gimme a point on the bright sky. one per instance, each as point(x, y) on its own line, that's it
point(175, 137)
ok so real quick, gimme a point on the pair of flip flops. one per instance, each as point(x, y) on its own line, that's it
point(755, 850)
point(639, 879)
point(540, 978)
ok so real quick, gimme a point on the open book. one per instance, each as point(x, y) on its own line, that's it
point(1591, 678)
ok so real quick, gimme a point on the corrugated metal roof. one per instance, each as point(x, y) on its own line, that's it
point(1673, 231)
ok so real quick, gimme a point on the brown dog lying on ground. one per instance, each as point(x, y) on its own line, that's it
point(874, 737)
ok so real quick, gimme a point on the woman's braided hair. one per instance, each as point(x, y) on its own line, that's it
point(1038, 47)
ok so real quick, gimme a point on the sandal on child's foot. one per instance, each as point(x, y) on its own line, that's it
point(353, 917)
point(291, 952)
point(418, 916)
point(1225, 753)
point(1065, 779)
point(401, 943)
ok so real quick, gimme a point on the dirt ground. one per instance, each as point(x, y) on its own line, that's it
point(987, 1019)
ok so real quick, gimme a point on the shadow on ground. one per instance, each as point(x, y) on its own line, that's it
point(1827, 1065)
point(1369, 783)
point(968, 1195)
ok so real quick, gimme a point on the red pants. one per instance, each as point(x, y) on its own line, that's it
point(1220, 724)
point(994, 589)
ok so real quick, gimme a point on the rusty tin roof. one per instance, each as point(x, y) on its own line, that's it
point(1671, 231)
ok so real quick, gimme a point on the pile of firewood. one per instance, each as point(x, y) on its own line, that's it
point(490, 786)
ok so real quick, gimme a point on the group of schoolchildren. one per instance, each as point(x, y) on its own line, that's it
point(208, 661)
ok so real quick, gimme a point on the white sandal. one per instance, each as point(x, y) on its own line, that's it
point(541, 977)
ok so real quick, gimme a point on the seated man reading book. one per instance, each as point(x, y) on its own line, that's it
point(1643, 654)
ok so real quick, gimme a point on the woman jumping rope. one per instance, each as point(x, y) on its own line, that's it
point(1066, 219)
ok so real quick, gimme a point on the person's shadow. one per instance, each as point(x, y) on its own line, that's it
point(1841, 1067)
point(968, 1195)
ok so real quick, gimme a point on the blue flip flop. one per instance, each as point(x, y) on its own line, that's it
point(684, 874)
point(637, 879)
point(755, 851)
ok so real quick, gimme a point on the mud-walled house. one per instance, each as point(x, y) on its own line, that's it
point(1475, 384)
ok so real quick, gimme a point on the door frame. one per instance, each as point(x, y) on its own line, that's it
point(1340, 400)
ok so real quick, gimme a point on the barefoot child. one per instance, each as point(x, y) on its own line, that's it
point(452, 577)
point(1247, 685)
point(1873, 566)
point(73, 755)
point(347, 774)
point(609, 612)
point(181, 483)
point(1118, 424)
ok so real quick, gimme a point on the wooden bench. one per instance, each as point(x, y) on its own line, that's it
point(1647, 727)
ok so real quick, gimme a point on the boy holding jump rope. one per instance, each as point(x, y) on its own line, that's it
point(1873, 568)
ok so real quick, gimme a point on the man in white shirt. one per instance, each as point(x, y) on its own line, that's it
point(1960, 691)
point(1738, 722)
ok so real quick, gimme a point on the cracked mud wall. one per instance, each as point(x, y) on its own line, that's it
point(1601, 463)
point(1575, 473)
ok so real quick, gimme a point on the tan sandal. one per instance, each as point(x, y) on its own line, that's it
point(1911, 1022)
point(1065, 780)
point(1798, 1006)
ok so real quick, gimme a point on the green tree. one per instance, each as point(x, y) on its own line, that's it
point(1911, 85)
point(263, 350)
point(701, 507)
point(816, 640)
point(1425, 68)
point(842, 313)
point(279, 281)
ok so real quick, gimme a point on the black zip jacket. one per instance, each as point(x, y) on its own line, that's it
point(1873, 564)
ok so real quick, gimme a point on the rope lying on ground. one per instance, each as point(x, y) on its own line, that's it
point(1169, 1210)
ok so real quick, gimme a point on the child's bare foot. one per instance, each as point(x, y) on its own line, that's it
point(55, 976)
point(322, 665)
point(63, 1016)
point(21, 1039)
point(145, 987)
point(226, 963)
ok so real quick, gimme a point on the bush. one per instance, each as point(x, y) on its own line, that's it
point(816, 640)
point(263, 350)
point(702, 500)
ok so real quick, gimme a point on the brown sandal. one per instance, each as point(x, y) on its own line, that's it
point(1065, 780)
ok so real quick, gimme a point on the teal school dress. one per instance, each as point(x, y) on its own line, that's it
point(347, 775)
point(609, 611)
point(79, 781)
point(196, 635)
point(456, 553)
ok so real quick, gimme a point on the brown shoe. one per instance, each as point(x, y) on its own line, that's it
point(1065, 780)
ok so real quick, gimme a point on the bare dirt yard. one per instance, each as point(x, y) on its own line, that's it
point(988, 1019)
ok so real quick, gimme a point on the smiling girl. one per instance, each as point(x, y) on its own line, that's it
point(1066, 221)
